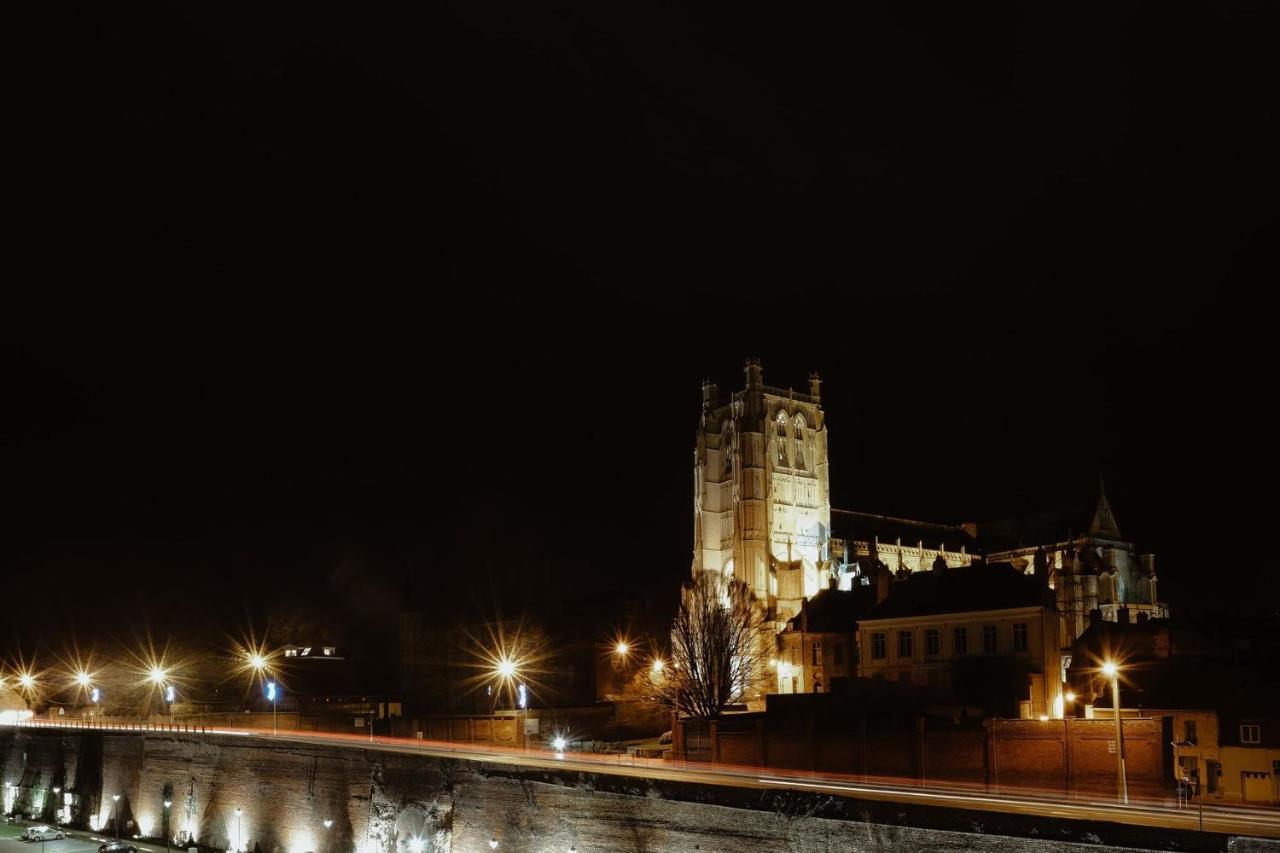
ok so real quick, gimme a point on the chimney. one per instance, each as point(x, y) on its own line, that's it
point(1122, 615)
point(1042, 568)
point(815, 387)
point(882, 584)
point(755, 374)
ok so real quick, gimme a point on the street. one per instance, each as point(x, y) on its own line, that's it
point(1219, 817)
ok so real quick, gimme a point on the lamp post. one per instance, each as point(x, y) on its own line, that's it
point(239, 840)
point(271, 694)
point(115, 813)
point(167, 804)
point(1111, 671)
point(57, 794)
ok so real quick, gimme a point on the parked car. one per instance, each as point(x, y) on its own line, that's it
point(116, 847)
point(42, 833)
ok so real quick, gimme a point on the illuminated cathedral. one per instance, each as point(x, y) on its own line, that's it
point(763, 515)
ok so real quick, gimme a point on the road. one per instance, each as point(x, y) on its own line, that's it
point(75, 842)
point(1217, 817)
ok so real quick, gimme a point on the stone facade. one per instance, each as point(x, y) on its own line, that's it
point(762, 506)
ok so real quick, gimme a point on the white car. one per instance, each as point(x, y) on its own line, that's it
point(42, 833)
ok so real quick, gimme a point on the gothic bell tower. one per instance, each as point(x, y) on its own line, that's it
point(762, 506)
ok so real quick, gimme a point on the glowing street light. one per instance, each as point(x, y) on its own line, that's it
point(157, 675)
point(1111, 671)
point(27, 680)
point(328, 824)
point(622, 648)
point(83, 679)
point(658, 665)
point(506, 668)
point(271, 694)
point(558, 744)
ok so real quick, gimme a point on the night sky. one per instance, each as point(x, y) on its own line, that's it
point(336, 313)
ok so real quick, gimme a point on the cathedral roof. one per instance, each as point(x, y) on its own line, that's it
point(1093, 518)
point(865, 526)
point(981, 586)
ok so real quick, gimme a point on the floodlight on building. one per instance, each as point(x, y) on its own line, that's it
point(493, 844)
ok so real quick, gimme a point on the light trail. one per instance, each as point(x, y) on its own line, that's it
point(1229, 818)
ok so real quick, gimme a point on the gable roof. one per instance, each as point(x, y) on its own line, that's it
point(981, 586)
point(834, 611)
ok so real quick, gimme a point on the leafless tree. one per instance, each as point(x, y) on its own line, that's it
point(718, 649)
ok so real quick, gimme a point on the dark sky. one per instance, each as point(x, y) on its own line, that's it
point(346, 309)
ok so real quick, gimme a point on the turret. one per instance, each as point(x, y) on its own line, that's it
point(815, 387)
point(710, 394)
point(755, 374)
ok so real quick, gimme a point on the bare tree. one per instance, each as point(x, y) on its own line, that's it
point(717, 648)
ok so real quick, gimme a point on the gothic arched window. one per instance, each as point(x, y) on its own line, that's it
point(726, 453)
point(802, 449)
point(780, 441)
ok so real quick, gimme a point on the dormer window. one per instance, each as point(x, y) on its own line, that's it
point(291, 653)
point(780, 441)
point(306, 651)
point(329, 650)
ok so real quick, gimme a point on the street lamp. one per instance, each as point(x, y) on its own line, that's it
point(57, 792)
point(271, 694)
point(167, 804)
point(1111, 671)
point(239, 845)
point(115, 813)
point(622, 648)
point(96, 696)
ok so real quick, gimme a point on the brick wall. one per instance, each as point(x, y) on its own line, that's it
point(1053, 755)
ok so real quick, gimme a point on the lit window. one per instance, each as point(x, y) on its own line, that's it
point(1020, 636)
point(306, 651)
point(1251, 733)
point(905, 639)
point(799, 455)
point(780, 441)
point(989, 644)
point(878, 646)
point(291, 653)
point(329, 650)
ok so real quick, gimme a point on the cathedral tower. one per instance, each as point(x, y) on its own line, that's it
point(762, 506)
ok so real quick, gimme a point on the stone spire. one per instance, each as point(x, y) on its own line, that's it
point(1104, 521)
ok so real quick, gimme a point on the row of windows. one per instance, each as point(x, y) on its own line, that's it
point(959, 641)
point(837, 654)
